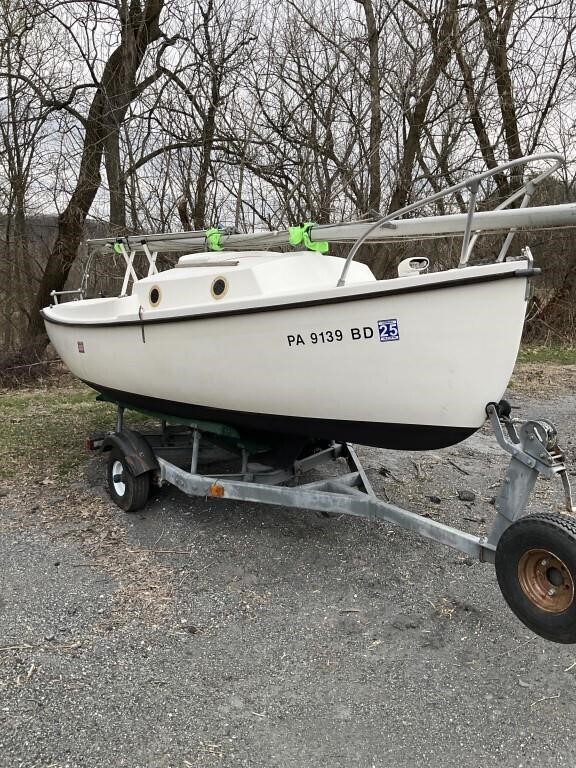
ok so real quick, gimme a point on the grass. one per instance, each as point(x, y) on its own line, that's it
point(44, 430)
point(557, 355)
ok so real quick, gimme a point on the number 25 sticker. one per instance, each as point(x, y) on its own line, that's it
point(388, 330)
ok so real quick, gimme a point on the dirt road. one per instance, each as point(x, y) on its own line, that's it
point(210, 633)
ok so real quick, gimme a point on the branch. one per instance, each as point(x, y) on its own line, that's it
point(52, 104)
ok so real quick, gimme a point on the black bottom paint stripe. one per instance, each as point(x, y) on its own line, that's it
point(401, 437)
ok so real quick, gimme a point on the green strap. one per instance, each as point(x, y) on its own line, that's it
point(301, 234)
point(118, 247)
point(213, 238)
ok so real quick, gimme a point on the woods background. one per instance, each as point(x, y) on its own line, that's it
point(121, 117)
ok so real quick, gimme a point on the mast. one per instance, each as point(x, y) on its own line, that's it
point(540, 217)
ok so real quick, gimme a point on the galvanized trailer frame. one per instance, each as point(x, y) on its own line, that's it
point(534, 554)
point(532, 446)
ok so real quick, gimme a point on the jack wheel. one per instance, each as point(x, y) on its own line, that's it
point(536, 570)
point(130, 492)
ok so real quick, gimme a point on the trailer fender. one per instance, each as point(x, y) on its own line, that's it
point(135, 448)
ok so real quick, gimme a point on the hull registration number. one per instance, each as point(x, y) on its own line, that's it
point(386, 330)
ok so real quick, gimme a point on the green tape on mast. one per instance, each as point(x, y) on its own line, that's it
point(301, 235)
point(213, 239)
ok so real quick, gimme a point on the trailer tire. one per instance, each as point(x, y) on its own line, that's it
point(536, 570)
point(130, 492)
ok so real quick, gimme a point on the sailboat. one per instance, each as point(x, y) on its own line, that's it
point(299, 342)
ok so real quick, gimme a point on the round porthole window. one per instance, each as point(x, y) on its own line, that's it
point(154, 296)
point(219, 287)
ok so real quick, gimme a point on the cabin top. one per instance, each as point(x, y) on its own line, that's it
point(210, 278)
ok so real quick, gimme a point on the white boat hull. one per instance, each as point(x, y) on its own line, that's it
point(405, 364)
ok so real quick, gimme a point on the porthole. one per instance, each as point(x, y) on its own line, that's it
point(154, 296)
point(219, 287)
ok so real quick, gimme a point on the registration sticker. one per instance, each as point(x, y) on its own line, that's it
point(388, 330)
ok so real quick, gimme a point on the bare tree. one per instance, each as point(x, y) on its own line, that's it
point(440, 25)
point(136, 27)
point(25, 132)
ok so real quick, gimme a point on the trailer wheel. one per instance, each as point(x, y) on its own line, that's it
point(536, 570)
point(130, 492)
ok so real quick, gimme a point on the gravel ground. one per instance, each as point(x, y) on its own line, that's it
point(210, 633)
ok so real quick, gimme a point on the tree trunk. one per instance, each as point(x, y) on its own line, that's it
point(442, 50)
point(495, 40)
point(208, 134)
point(476, 119)
point(116, 183)
point(113, 96)
point(375, 190)
point(209, 123)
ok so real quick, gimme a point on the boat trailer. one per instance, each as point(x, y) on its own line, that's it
point(534, 554)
